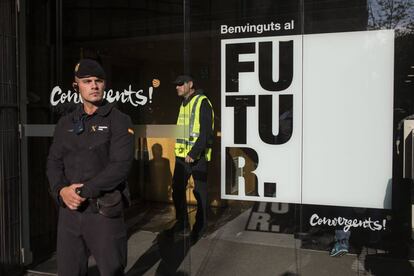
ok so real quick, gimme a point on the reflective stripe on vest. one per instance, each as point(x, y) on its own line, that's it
point(191, 123)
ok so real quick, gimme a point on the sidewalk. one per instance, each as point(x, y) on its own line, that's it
point(230, 250)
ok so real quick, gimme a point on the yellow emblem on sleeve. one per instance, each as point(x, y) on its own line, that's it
point(130, 130)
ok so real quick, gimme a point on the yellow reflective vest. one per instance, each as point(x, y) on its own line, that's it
point(189, 117)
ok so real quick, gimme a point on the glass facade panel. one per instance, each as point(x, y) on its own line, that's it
point(312, 141)
point(244, 237)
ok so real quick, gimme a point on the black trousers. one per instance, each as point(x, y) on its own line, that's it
point(81, 233)
point(182, 173)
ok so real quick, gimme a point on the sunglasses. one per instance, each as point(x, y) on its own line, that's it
point(180, 83)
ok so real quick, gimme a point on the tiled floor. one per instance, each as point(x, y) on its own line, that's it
point(229, 249)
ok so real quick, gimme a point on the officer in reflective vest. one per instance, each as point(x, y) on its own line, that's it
point(192, 151)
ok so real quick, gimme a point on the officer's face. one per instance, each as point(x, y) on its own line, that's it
point(91, 89)
point(184, 89)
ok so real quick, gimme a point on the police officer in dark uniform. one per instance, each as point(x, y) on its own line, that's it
point(192, 151)
point(87, 167)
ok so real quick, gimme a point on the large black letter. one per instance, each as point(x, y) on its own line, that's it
point(234, 170)
point(240, 104)
point(285, 65)
point(266, 119)
point(234, 66)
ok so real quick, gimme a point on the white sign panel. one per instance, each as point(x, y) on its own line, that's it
point(347, 118)
point(308, 119)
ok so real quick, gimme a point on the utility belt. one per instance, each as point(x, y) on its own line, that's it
point(110, 204)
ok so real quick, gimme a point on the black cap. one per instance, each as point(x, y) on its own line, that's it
point(89, 68)
point(180, 80)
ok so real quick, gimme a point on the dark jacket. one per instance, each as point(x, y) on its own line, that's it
point(100, 157)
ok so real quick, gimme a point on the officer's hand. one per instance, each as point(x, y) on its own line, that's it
point(188, 159)
point(70, 197)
